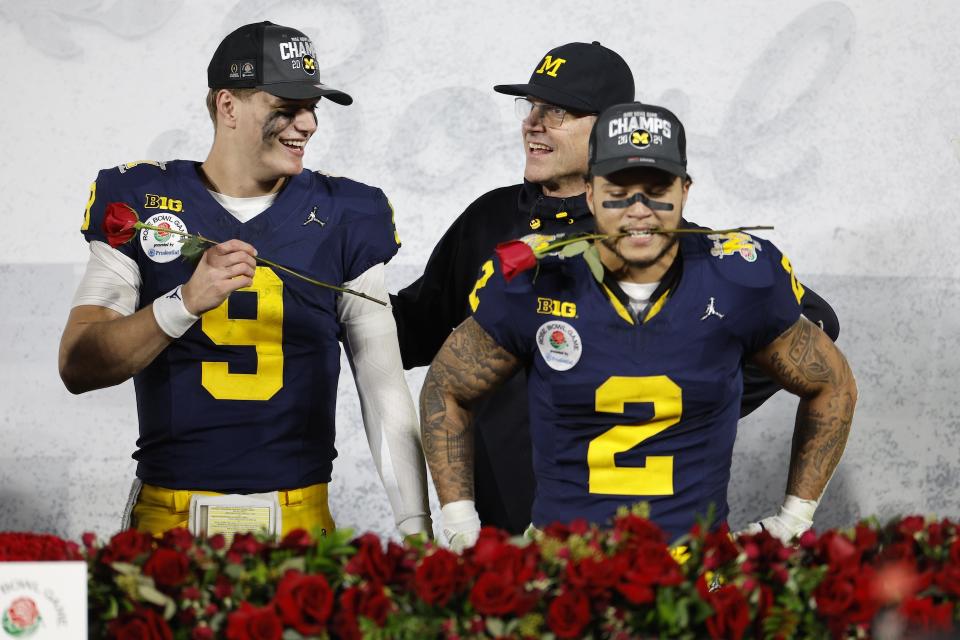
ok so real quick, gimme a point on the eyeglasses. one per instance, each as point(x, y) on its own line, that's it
point(551, 114)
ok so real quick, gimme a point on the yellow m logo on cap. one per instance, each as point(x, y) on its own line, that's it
point(550, 66)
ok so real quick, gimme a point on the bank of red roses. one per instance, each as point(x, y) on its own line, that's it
point(573, 582)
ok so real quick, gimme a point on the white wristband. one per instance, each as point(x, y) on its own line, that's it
point(172, 314)
point(799, 508)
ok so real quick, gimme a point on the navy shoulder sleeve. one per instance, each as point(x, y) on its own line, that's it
point(498, 307)
point(371, 237)
point(122, 183)
point(770, 294)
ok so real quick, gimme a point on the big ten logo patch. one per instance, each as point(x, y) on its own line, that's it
point(166, 203)
point(550, 66)
point(551, 307)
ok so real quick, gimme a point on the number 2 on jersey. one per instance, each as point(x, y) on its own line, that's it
point(655, 478)
point(265, 332)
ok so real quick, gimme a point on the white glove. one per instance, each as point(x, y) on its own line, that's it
point(795, 517)
point(461, 524)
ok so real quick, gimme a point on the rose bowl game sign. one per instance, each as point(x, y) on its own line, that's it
point(43, 600)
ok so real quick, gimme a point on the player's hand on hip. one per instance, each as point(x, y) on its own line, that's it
point(222, 269)
point(794, 518)
point(461, 524)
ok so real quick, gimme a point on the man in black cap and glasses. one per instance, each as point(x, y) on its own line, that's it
point(557, 106)
point(635, 394)
point(235, 362)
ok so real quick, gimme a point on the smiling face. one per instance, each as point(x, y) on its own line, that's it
point(639, 256)
point(272, 133)
point(556, 158)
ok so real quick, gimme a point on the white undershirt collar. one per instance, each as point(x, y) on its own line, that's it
point(639, 294)
point(244, 209)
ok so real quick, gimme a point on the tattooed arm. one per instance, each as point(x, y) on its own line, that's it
point(468, 367)
point(806, 362)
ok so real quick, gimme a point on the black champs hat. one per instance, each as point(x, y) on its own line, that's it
point(578, 76)
point(276, 59)
point(637, 135)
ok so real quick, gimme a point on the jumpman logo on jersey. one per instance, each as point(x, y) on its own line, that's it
point(175, 294)
point(313, 218)
point(711, 311)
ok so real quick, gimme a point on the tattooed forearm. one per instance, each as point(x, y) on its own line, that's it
point(469, 366)
point(819, 439)
point(807, 363)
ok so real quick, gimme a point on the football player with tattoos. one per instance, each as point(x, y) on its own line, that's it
point(567, 88)
point(635, 385)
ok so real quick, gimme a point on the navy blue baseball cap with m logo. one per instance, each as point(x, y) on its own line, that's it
point(578, 76)
point(273, 58)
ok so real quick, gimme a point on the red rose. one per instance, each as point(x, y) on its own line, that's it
point(492, 552)
point(568, 614)
point(369, 561)
point(167, 567)
point(119, 223)
point(834, 594)
point(595, 577)
point(201, 633)
point(177, 538)
point(948, 579)
point(375, 604)
point(515, 257)
point(297, 539)
point(866, 538)
point(903, 550)
point(864, 606)
point(254, 623)
point(244, 545)
point(640, 529)
point(126, 546)
point(89, 540)
point(910, 526)
point(496, 594)
point(222, 588)
point(653, 564)
point(141, 624)
point(344, 622)
point(438, 577)
point(368, 601)
point(923, 614)
point(937, 533)
point(718, 548)
point(731, 614)
point(304, 602)
point(557, 530)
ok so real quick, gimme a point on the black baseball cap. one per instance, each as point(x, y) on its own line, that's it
point(578, 76)
point(276, 59)
point(637, 135)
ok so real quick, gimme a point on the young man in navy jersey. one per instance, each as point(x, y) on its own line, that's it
point(635, 385)
point(235, 363)
point(568, 86)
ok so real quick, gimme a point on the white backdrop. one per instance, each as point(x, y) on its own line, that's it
point(837, 122)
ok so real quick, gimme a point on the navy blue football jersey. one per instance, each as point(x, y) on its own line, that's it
point(626, 409)
point(245, 400)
